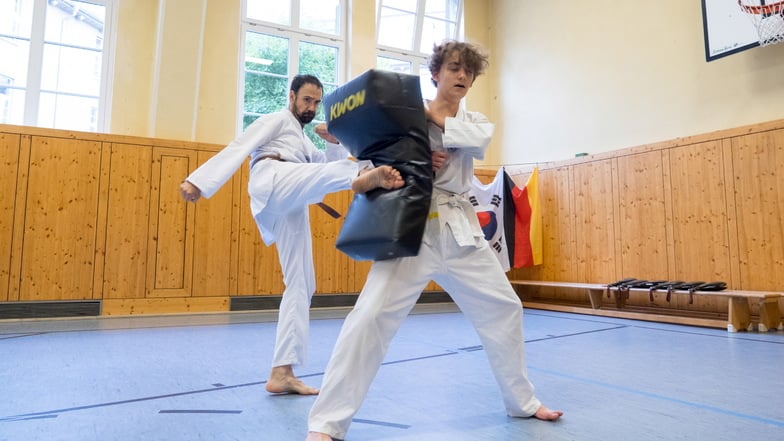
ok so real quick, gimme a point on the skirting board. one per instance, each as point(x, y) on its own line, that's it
point(261, 303)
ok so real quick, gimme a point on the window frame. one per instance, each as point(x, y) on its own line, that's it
point(414, 57)
point(37, 40)
point(295, 35)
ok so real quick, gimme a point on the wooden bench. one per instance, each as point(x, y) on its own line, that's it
point(595, 290)
point(738, 316)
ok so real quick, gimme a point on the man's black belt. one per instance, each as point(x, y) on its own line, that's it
point(273, 156)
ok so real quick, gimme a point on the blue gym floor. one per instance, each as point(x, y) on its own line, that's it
point(201, 377)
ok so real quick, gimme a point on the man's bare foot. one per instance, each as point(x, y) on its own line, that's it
point(317, 436)
point(546, 414)
point(283, 381)
point(382, 176)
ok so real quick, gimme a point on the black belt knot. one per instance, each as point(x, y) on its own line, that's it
point(273, 156)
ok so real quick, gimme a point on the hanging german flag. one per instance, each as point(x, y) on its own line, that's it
point(527, 247)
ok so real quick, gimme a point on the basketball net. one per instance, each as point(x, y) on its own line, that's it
point(768, 18)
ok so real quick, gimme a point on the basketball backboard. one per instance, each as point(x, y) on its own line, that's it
point(728, 30)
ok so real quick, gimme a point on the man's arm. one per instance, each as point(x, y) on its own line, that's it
point(211, 175)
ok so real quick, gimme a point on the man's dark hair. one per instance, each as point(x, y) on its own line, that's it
point(471, 56)
point(301, 80)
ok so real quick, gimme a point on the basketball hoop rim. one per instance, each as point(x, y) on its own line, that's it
point(773, 8)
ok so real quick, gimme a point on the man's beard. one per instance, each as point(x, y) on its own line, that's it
point(305, 117)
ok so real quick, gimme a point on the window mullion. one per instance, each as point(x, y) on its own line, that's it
point(241, 84)
point(107, 66)
point(35, 63)
point(420, 22)
point(459, 22)
point(294, 55)
point(295, 14)
point(343, 56)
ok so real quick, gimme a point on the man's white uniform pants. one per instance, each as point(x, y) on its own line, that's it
point(475, 281)
point(280, 194)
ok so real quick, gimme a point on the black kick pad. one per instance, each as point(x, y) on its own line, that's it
point(379, 116)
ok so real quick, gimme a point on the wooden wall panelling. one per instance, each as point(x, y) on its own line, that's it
point(700, 233)
point(9, 175)
point(594, 214)
point(99, 216)
point(102, 220)
point(20, 200)
point(668, 195)
point(213, 242)
point(642, 216)
point(170, 247)
point(732, 219)
point(559, 258)
point(238, 195)
point(258, 269)
point(669, 223)
point(164, 305)
point(758, 161)
point(620, 271)
point(335, 271)
point(9, 168)
point(127, 222)
point(60, 219)
point(329, 263)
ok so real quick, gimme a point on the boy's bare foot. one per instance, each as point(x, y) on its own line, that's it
point(382, 176)
point(317, 436)
point(283, 381)
point(546, 414)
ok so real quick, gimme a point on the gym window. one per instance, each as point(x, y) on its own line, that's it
point(407, 30)
point(54, 63)
point(282, 38)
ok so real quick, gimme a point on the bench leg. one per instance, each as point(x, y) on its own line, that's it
point(595, 295)
point(620, 298)
point(739, 316)
point(770, 317)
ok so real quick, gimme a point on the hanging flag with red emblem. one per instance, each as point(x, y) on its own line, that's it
point(489, 202)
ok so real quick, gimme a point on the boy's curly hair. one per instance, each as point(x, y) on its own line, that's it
point(471, 56)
